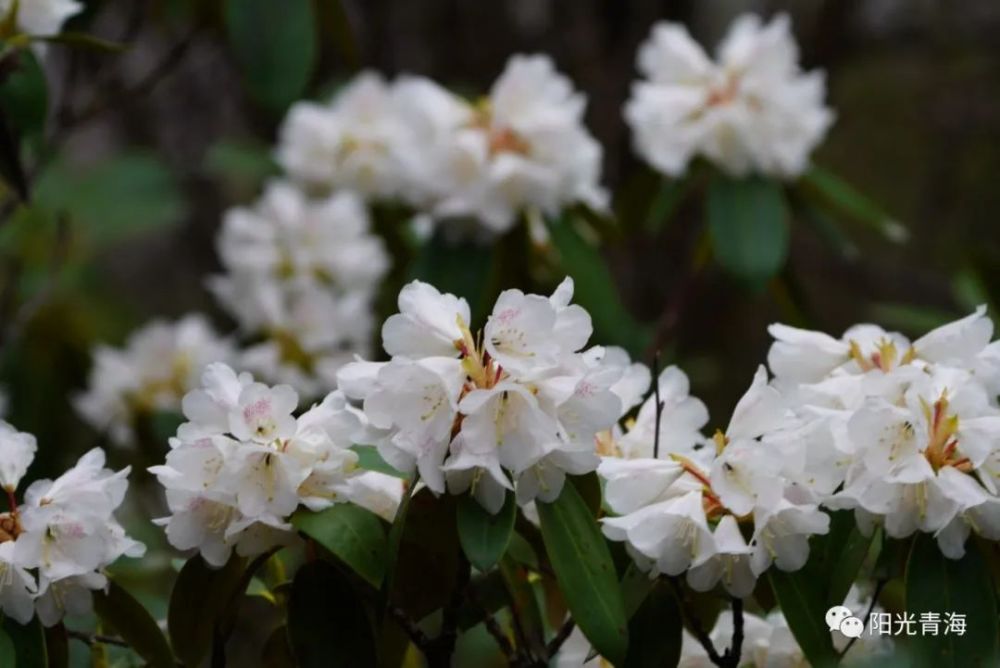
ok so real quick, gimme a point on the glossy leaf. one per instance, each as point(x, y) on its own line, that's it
point(353, 534)
point(327, 623)
point(200, 597)
point(28, 641)
point(7, 655)
point(802, 601)
point(586, 574)
point(275, 45)
point(655, 631)
point(748, 224)
point(24, 95)
point(117, 608)
point(935, 583)
point(484, 536)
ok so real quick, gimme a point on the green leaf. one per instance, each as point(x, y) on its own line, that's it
point(829, 190)
point(848, 550)
point(111, 200)
point(935, 583)
point(28, 641)
point(484, 537)
point(802, 601)
point(24, 95)
point(129, 618)
point(635, 587)
point(275, 45)
point(199, 599)
point(588, 486)
point(370, 460)
point(327, 622)
point(353, 534)
point(7, 656)
point(462, 269)
point(655, 631)
point(11, 166)
point(595, 289)
point(585, 572)
point(748, 224)
point(669, 196)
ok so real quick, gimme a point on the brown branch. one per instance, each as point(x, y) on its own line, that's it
point(561, 636)
point(91, 639)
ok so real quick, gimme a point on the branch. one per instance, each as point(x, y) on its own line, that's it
point(695, 626)
point(732, 655)
point(557, 642)
point(91, 639)
point(659, 404)
point(493, 627)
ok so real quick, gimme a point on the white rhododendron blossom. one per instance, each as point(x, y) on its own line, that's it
point(355, 141)
point(244, 462)
point(521, 149)
point(158, 364)
point(514, 408)
point(41, 17)
point(750, 110)
point(57, 544)
point(680, 499)
point(907, 434)
point(301, 275)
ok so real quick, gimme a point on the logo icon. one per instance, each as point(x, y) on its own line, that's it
point(840, 618)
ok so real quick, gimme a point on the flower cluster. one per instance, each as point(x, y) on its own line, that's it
point(301, 273)
point(516, 407)
point(523, 149)
point(159, 363)
point(243, 463)
point(55, 546)
point(906, 434)
point(751, 110)
point(680, 509)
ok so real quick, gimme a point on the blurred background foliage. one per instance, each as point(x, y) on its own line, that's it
point(127, 159)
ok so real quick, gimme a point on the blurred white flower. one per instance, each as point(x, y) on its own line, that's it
point(158, 364)
point(41, 17)
point(17, 451)
point(751, 110)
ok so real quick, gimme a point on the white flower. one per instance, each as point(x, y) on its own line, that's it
point(244, 463)
point(730, 564)
point(751, 110)
point(516, 407)
point(681, 420)
point(41, 17)
point(17, 586)
point(523, 149)
point(17, 451)
point(352, 142)
point(158, 364)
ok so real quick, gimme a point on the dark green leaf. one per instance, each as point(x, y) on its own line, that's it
point(7, 656)
point(802, 601)
point(586, 574)
point(484, 537)
point(589, 488)
point(521, 551)
point(850, 555)
point(11, 167)
point(748, 223)
point(935, 583)
point(111, 200)
point(635, 586)
point(529, 623)
point(327, 622)
point(275, 45)
point(353, 534)
point(655, 631)
point(24, 95)
point(595, 289)
point(129, 618)
point(463, 269)
point(829, 190)
point(664, 204)
point(199, 599)
point(28, 641)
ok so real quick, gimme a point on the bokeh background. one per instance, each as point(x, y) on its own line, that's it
point(143, 150)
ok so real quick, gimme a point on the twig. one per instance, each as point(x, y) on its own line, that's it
point(697, 630)
point(417, 636)
point(561, 636)
point(735, 650)
point(879, 584)
point(493, 627)
point(91, 639)
point(659, 404)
